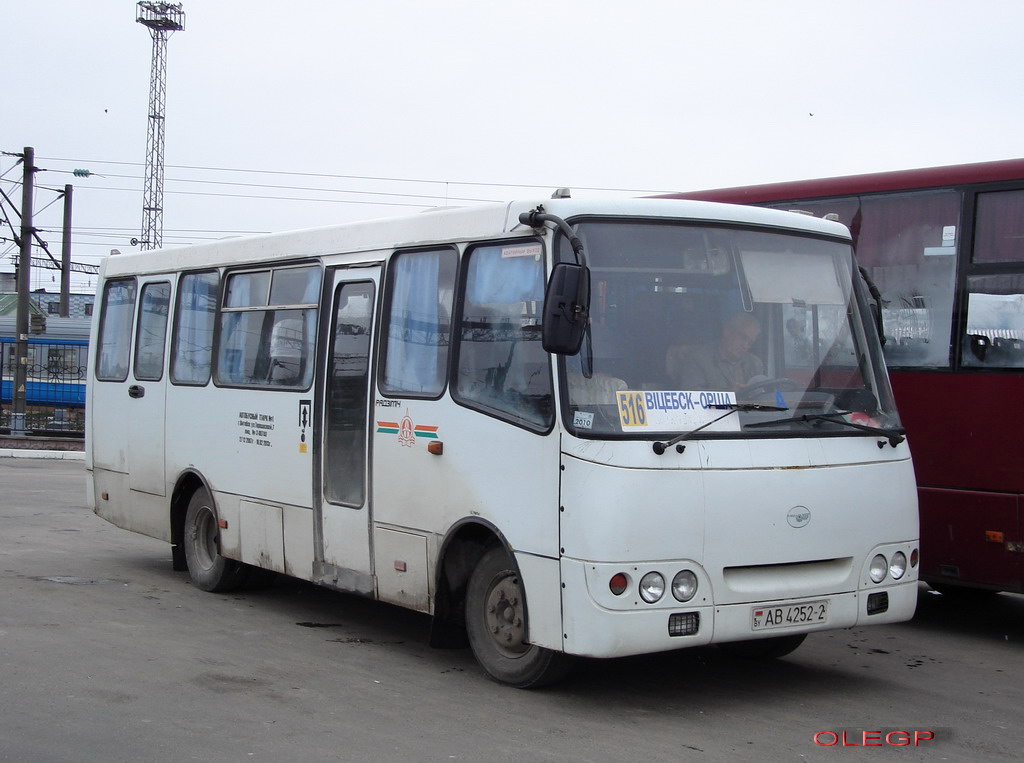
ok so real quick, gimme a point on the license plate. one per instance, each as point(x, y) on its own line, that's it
point(788, 615)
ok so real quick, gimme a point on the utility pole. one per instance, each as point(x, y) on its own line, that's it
point(65, 257)
point(24, 287)
point(162, 19)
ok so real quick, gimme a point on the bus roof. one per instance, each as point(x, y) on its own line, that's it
point(877, 182)
point(445, 225)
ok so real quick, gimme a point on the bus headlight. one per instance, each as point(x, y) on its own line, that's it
point(879, 568)
point(684, 585)
point(898, 565)
point(652, 587)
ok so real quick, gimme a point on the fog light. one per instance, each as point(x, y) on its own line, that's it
point(617, 585)
point(652, 587)
point(878, 602)
point(879, 568)
point(914, 556)
point(683, 623)
point(684, 585)
point(898, 565)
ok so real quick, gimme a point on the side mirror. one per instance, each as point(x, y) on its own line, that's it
point(566, 309)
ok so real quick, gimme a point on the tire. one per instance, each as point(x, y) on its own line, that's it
point(208, 570)
point(765, 648)
point(496, 625)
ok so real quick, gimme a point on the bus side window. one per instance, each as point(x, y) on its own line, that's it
point(502, 368)
point(149, 342)
point(267, 328)
point(115, 340)
point(995, 321)
point(420, 289)
point(995, 300)
point(908, 243)
point(192, 351)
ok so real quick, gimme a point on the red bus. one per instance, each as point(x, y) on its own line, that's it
point(945, 246)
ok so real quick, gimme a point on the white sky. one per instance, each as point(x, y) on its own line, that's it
point(481, 98)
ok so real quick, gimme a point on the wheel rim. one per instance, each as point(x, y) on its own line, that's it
point(505, 616)
point(205, 538)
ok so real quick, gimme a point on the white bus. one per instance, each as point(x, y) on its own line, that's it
point(571, 428)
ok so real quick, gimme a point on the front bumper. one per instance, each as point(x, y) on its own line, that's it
point(592, 628)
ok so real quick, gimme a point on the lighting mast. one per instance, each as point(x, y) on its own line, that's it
point(163, 20)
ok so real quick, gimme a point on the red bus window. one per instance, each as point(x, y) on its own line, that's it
point(995, 321)
point(999, 236)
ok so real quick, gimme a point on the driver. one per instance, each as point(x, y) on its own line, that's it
point(728, 364)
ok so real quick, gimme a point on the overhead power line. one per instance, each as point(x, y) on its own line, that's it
point(294, 188)
point(484, 184)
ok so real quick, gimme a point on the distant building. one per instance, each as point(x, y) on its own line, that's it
point(44, 316)
point(45, 302)
point(79, 305)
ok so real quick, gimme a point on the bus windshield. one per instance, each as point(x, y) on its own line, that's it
point(733, 332)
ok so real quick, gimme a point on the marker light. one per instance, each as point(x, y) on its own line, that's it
point(618, 583)
point(898, 565)
point(879, 568)
point(684, 585)
point(652, 587)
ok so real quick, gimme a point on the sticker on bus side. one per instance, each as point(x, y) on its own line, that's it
point(673, 410)
point(256, 429)
point(305, 422)
point(525, 250)
point(407, 432)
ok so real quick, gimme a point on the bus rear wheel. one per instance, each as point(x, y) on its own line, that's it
point(208, 570)
point(496, 625)
point(765, 648)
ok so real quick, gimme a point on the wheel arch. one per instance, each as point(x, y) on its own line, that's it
point(464, 544)
point(188, 482)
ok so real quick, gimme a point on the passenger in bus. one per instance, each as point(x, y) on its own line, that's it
point(727, 364)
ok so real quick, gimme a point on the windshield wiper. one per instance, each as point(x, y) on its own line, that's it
point(895, 435)
point(729, 408)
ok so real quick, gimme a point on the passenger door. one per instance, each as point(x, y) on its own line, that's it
point(109, 389)
point(146, 391)
point(342, 526)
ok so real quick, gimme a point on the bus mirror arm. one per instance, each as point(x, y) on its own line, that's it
point(536, 218)
point(567, 296)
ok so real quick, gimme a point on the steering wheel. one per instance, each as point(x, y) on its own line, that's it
point(766, 386)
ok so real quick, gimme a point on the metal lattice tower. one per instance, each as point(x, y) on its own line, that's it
point(163, 20)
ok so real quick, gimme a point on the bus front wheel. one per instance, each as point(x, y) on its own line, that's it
point(208, 570)
point(497, 627)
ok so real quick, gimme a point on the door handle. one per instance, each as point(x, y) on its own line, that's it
point(136, 390)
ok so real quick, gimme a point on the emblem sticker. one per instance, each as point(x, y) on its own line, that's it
point(408, 433)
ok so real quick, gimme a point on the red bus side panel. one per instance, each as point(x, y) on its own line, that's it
point(971, 537)
point(965, 429)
